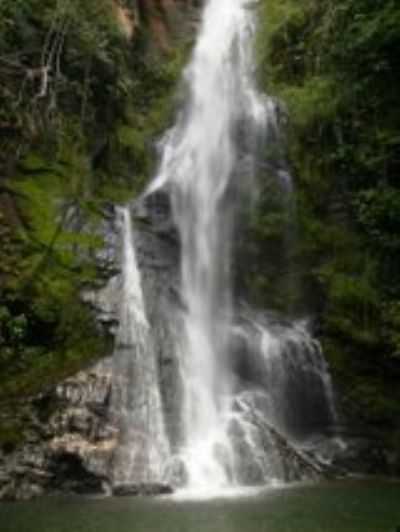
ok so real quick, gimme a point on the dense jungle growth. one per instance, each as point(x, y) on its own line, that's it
point(335, 66)
point(85, 89)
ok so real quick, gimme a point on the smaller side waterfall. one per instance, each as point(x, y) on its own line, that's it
point(136, 402)
point(283, 398)
point(283, 367)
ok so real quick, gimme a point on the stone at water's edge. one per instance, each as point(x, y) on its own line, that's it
point(69, 440)
point(151, 489)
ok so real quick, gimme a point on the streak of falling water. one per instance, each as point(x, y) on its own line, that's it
point(208, 157)
point(136, 401)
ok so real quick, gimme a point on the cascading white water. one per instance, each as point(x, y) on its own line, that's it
point(136, 402)
point(207, 157)
point(295, 391)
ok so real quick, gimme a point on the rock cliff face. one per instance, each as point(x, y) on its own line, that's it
point(164, 18)
point(68, 436)
point(68, 431)
point(71, 434)
point(71, 431)
point(68, 442)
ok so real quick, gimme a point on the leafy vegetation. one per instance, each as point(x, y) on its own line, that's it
point(335, 67)
point(81, 98)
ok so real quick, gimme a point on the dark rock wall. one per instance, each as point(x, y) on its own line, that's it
point(158, 249)
point(71, 438)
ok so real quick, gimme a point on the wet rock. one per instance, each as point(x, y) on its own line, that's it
point(70, 475)
point(158, 257)
point(70, 438)
point(176, 472)
point(151, 489)
point(361, 454)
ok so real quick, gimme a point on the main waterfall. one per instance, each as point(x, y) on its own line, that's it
point(208, 159)
point(247, 389)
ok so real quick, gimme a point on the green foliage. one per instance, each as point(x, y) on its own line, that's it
point(80, 105)
point(391, 326)
point(378, 212)
point(11, 434)
point(382, 409)
point(13, 331)
point(334, 65)
point(312, 103)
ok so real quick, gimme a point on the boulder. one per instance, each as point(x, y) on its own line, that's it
point(151, 489)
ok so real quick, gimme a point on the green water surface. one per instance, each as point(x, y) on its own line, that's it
point(372, 506)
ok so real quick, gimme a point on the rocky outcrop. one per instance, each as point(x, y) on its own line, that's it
point(129, 490)
point(165, 19)
point(158, 257)
point(70, 434)
point(69, 440)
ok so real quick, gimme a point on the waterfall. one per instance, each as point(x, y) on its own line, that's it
point(208, 156)
point(250, 387)
point(288, 375)
point(136, 402)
